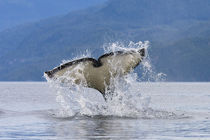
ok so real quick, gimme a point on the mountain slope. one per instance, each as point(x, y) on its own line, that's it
point(14, 12)
point(178, 31)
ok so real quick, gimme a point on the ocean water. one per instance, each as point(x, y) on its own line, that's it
point(33, 110)
point(60, 109)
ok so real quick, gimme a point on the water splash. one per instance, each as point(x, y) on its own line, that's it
point(119, 46)
point(87, 53)
point(125, 100)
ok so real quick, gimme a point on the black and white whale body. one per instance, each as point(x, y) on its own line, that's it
point(97, 73)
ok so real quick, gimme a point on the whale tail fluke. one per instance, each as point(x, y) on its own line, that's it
point(142, 52)
point(49, 74)
point(97, 73)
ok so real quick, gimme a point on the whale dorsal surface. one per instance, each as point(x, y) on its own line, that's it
point(97, 73)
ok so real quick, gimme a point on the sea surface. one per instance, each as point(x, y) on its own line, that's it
point(31, 110)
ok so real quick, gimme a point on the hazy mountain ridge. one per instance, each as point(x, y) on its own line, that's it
point(15, 12)
point(178, 30)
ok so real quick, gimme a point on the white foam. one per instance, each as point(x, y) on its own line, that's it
point(125, 100)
